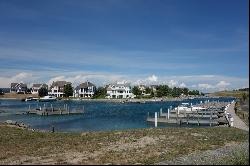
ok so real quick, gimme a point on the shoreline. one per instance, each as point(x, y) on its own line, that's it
point(127, 100)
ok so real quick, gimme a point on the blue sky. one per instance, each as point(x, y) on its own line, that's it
point(200, 44)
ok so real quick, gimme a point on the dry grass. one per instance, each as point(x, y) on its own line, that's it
point(144, 146)
point(237, 94)
point(17, 96)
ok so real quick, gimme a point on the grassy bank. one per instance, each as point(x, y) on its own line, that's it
point(16, 96)
point(237, 94)
point(145, 146)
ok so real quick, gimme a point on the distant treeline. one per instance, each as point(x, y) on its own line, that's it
point(242, 89)
point(164, 91)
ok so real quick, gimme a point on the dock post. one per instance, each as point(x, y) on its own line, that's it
point(68, 109)
point(177, 116)
point(155, 119)
point(161, 112)
point(187, 118)
point(29, 107)
point(148, 114)
point(198, 118)
point(168, 113)
point(178, 110)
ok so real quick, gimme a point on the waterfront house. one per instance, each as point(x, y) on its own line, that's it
point(18, 88)
point(119, 90)
point(57, 88)
point(36, 87)
point(153, 87)
point(86, 89)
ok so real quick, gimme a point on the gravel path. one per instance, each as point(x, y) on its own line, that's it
point(209, 157)
point(238, 123)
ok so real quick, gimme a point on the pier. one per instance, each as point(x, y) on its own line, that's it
point(212, 114)
point(47, 111)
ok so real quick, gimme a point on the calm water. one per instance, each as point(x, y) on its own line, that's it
point(98, 116)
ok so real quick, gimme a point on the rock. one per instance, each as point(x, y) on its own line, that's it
point(11, 122)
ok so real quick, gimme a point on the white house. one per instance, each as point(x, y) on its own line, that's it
point(57, 88)
point(18, 88)
point(119, 90)
point(36, 87)
point(142, 88)
point(86, 89)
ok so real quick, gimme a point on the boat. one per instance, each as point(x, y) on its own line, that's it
point(48, 98)
point(186, 107)
point(30, 98)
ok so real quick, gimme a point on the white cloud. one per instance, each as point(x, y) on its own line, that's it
point(205, 86)
point(172, 83)
point(205, 83)
point(152, 78)
point(222, 85)
point(182, 85)
point(58, 78)
point(19, 77)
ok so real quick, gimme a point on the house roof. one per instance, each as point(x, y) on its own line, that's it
point(22, 85)
point(13, 84)
point(39, 85)
point(109, 88)
point(85, 85)
point(59, 84)
point(120, 84)
point(36, 85)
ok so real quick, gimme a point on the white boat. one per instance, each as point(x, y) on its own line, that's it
point(185, 107)
point(30, 98)
point(48, 98)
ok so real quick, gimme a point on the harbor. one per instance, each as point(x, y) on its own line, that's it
point(88, 115)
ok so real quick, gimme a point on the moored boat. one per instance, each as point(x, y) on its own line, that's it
point(48, 98)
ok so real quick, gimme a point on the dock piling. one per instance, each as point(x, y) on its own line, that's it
point(155, 119)
point(198, 118)
point(168, 113)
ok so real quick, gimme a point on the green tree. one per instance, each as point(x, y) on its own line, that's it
point(100, 93)
point(148, 90)
point(152, 94)
point(244, 96)
point(28, 91)
point(163, 90)
point(185, 91)
point(136, 91)
point(43, 92)
point(1, 92)
point(68, 90)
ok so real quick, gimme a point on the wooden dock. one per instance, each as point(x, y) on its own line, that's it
point(214, 115)
point(181, 121)
point(47, 111)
